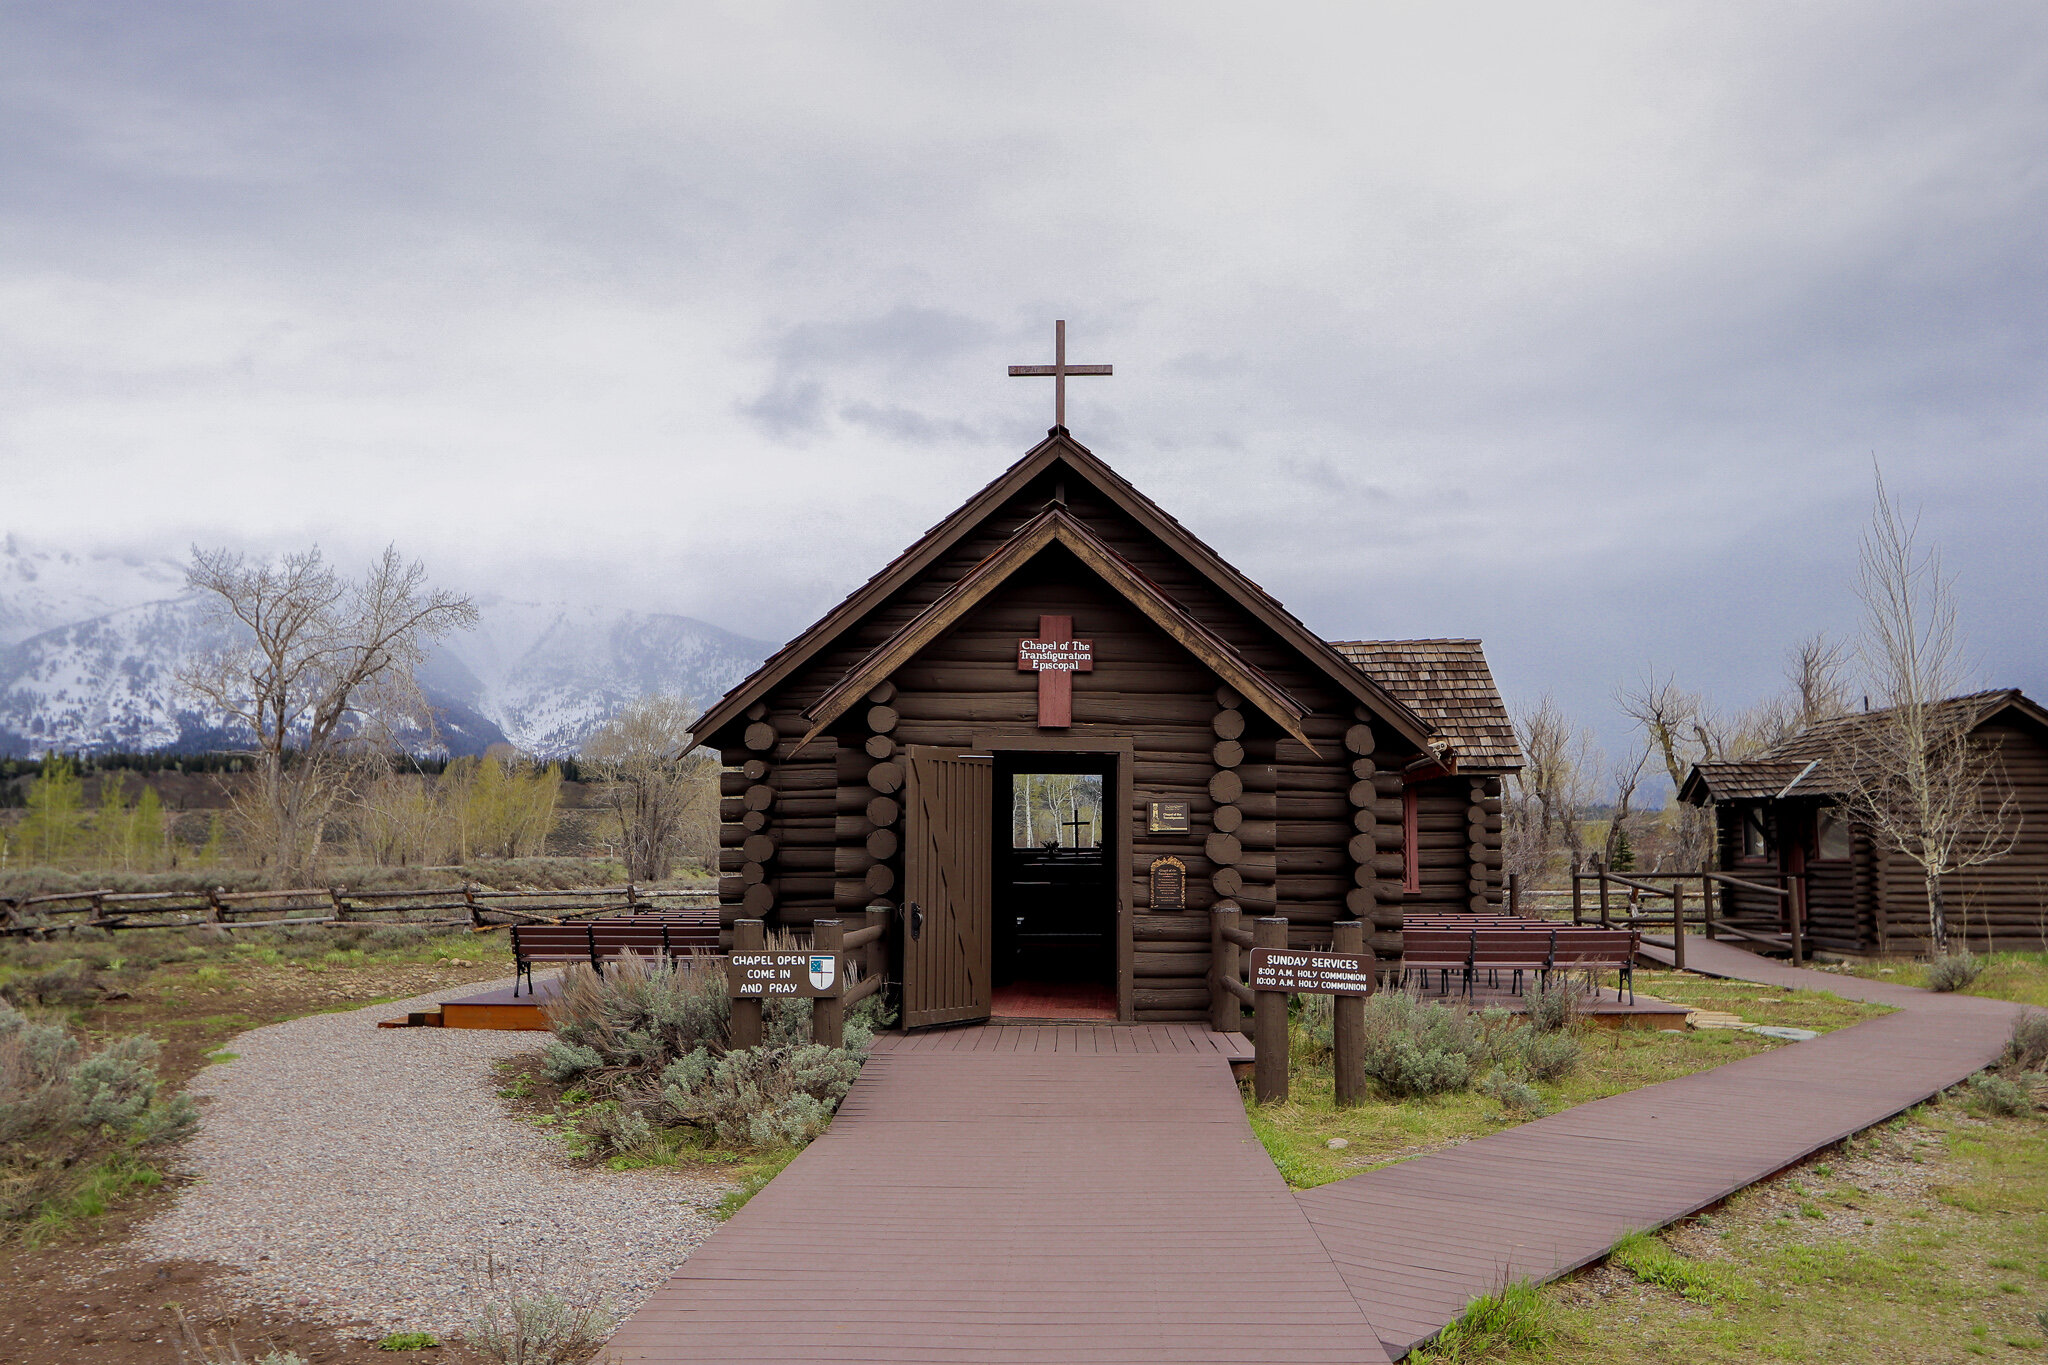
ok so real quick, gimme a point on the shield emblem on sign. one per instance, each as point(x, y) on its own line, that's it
point(823, 968)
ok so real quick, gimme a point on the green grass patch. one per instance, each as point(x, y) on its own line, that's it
point(1821, 1011)
point(1517, 1319)
point(2019, 977)
point(754, 1176)
point(1296, 1134)
point(102, 1185)
point(409, 1341)
point(1929, 1247)
point(1652, 1262)
point(216, 1058)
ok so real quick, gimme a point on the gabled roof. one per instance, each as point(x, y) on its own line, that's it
point(1060, 447)
point(1055, 526)
point(1447, 683)
point(1819, 757)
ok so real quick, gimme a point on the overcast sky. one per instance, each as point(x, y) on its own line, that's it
point(1577, 328)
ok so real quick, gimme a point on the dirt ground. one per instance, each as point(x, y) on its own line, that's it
point(83, 1296)
point(87, 1300)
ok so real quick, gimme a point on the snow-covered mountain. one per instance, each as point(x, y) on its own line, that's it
point(43, 588)
point(542, 675)
point(548, 673)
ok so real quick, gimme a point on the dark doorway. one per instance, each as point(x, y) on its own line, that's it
point(1055, 889)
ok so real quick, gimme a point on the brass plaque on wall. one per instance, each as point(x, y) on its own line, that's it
point(1169, 884)
point(1167, 817)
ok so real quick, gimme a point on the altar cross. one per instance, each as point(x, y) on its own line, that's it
point(1059, 370)
point(1055, 656)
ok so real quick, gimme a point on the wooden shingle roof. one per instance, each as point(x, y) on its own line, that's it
point(1447, 683)
point(1829, 746)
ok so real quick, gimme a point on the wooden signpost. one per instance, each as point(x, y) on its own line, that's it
point(787, 976)
point(1348, 973)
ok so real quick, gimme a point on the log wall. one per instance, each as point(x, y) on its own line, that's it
point(1275, 826)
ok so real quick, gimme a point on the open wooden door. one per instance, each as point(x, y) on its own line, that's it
point(949, 819)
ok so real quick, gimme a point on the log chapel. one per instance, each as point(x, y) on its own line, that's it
point(1058, 728)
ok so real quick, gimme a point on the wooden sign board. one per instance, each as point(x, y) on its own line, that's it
point(1055, 656)
point(1166, 817)
point(1169, 884)
point(1299, 973)
point(784, 975)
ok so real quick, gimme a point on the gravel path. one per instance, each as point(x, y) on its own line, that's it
point(355, 1173)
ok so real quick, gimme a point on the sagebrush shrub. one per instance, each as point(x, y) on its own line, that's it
point(1518, 1099)
point(2000, 1096)
point(546, 1330)
point(1547, 1056)
point(2027, 1049)
point(1953, 971)
point(1552, 1007)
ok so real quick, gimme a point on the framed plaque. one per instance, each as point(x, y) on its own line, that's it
point(1166, 817)
point(1169, 880)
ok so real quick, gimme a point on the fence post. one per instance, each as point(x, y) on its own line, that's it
point(1678, 925)
point(1269, 1022)
point(1707, 906)
point(1798, 887)
point(828, 1013)
point(1578, 900)
point(1225, 1014)
point(1347, 1017)
point(1514, 893)
point(748, 936)
point(334, 894)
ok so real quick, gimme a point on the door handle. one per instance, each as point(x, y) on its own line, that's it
point(916, 920)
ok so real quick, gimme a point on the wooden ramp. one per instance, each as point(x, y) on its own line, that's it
point(1026, 1195)
point(1418, 1240)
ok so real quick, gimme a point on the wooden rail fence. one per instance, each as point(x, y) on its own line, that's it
point(474, 906)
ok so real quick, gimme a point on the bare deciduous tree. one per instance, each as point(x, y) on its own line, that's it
point(655, 780)
point(312, 662)
point(1915, 775)
point(1554, 786)
point(1627, 776)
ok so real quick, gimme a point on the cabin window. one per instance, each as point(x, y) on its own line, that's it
point(1056, 810)
point(1831, 836)
point(1755, 841)
point(1411, 856)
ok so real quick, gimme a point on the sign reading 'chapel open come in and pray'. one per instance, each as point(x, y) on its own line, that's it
point(1055, 656)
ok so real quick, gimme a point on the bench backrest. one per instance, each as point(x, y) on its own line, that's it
point(551, 942)
point(1589, 947)
point(1511, 947)
point(1451, 947)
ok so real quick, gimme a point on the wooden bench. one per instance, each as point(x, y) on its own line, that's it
point(594, 940)
point(1596, 950)
point(1443, 951)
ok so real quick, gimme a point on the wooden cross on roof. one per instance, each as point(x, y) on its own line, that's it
point(1059, 370)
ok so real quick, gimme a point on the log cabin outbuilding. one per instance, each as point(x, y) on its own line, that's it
point(1780, 819)
point(1213, 749)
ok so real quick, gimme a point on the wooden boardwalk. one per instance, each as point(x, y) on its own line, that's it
point(1418, 1240)
point(1093, 1193)
point(1028, 1195)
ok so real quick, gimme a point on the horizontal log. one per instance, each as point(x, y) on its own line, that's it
point(1359, 739)
point(882, 844)
point(1227, 788)
point(759, 848)
point(1222, 849)
point(1189, 999)
point(1156, 774)
point(882, 719)
point(731, 783)
point(1226, 818)
point(884, 811)
point(1195, 965)
point(1227, 724)
point(1170, 928)
point(1226, 753)
point(1258, 833)
point(1302, 860)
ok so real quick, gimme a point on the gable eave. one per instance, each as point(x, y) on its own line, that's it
point(1059, 444)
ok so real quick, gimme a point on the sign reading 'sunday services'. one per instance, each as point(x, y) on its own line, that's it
point(799, 975)
point(1283, 969)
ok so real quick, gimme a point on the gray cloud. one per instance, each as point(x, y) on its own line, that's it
point(1575, 329)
